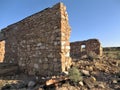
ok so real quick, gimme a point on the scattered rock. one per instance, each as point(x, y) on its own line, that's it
point(85, 72)
point(118, 80)
point(81, 83)
point(84, 57)
point(92, 79)
point(67, 88)
point(90, 68)
point(22, 89)
point(88, 82)
point(6, 87)
point(66, 73)
point(40, 89)
point(101, 85)
point(31, 84)
point(114, 81)
point(43, 78)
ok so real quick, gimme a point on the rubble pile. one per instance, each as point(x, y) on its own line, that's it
point(103, 74)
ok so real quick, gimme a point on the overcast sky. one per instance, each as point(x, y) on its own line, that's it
point(88, 18)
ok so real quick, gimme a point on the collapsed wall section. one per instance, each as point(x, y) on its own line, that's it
point(39, 44)
point(91, 45)
point(76, 49)
point(94, 45)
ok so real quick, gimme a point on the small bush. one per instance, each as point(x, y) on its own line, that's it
point(118, 56)
point(74, 75)
point(92, 56)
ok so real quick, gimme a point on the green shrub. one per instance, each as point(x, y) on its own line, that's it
point(74, 74)
point(118, 56)
point(92, 55)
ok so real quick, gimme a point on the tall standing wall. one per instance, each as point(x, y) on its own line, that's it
point(39, 43)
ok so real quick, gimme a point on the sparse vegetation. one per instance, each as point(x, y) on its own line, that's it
point(113, 53)
point(92, 56)
point(75, 75)
point(118, 56)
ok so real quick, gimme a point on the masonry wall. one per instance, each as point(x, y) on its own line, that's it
point(91, 45)
point(94, 45)
point(39, 44)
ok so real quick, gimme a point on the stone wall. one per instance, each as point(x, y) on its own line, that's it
point(91, 45)
point(39, 44)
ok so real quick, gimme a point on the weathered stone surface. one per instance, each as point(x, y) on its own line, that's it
point(31, 84)
point(2, 50)
point(85, 72)
point(36, 42)
point(8, 69)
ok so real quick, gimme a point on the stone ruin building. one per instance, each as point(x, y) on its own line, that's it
point(39, 44)
point(80, 48)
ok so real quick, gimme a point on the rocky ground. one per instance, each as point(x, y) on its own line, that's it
point(97, 74)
